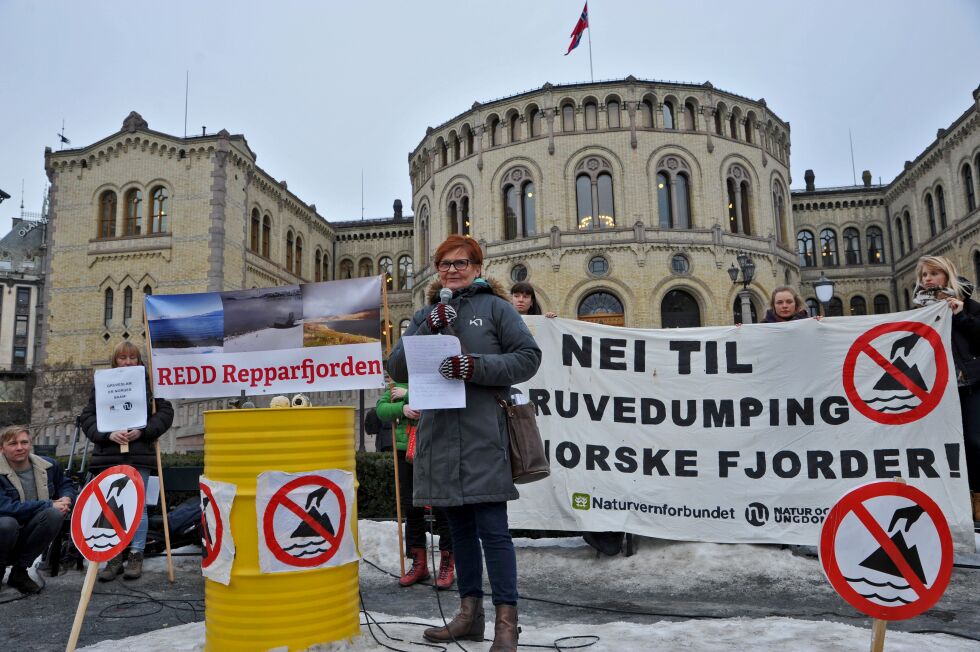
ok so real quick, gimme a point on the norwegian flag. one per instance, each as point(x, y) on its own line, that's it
point(580, 27)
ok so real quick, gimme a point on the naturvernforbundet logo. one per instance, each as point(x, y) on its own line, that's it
point(581, 501)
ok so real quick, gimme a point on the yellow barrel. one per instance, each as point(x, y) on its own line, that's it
point(259, 611)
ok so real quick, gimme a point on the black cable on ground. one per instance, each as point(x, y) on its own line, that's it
point(179, 607)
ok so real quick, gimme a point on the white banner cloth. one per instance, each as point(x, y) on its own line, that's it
point(217, 499)
point(742, 434)
point(304, 520)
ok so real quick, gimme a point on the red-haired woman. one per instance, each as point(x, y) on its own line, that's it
point(461, 456)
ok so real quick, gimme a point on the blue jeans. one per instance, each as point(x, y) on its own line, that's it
point(479, 531)
point(139, 539)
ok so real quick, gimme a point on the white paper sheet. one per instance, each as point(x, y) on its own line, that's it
point(120, 398)
point(428, 390)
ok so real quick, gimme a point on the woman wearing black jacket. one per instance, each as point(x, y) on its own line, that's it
point(141, 455)
point(936, 280)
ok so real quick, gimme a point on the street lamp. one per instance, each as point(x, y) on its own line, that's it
point(824, 288)
point(747, 268)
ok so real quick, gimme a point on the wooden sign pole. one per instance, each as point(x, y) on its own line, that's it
point(83, 600)
point(156, 446)
point(878, 635)
point(394, 442)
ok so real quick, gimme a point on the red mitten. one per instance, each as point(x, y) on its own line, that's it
point(458, 367)
point(442, 315)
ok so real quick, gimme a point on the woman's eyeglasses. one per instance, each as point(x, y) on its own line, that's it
point(459, 265)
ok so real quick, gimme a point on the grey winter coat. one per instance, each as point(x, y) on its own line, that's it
point(462, 455)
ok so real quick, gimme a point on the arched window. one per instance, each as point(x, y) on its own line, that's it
point(601, 308)
point(364, 267)
point(908, 229)
point(534, 121)
point(454, 146)
point(971, 199)
point(852, 246)
point(941, 200)
point(127, 305)
point(387, 269)
point(881, 304)
point(147, 290)
point(107, 308)
point(733, 125)
point(568, 117)
point(325, 270)
point(719, 129)
point(346, 269)
point(749, 126)
point(298, 270)
point(805, 248)
point(673, 193)
point(464, 214)
point(458, 212)
point(406, 273)
point(519, 205)
point(403, 326)
point(160, 209)
point(591, 115)
point(496, 131)
point(828, 248)
point(289, 251)
point(107, 215)
point(667, 112)
point(835, 308)
point(266, 235)
point(594, 194)
point(468, 139)
point(317, 262)
point(443, 152)
point(133, 224)
point(876, 245)
point(679, 309)
point(739, 215)
point(689, 119)
point(812, 307)
point(899, 236)
point(737, 312)
point(255, 231)
point(931, 212)
point(514, 128)
point(424, 235)
point(646, 114)
point(859, 306)
point(779, 211)
point(613, 116)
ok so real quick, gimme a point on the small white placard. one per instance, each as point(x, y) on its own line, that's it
point(152, 490)
point(120, 398)
point(428, 389)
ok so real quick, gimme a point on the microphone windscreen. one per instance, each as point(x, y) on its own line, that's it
point(445, 294)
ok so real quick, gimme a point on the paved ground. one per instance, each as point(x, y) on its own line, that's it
point(118, 609)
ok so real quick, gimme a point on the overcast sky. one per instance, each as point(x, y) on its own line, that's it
point(322, 90)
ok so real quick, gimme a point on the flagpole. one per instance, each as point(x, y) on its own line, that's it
point(591, 74)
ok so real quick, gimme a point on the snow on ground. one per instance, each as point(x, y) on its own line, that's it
point(758, 635)
point(561, 560)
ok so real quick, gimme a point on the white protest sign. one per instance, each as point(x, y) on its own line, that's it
point(746, 434)
point(304, 520)
point(120, 398)
point(219, 546)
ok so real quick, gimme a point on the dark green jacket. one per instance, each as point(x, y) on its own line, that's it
point(390, 411)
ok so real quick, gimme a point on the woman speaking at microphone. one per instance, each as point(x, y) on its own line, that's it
point(461, 457)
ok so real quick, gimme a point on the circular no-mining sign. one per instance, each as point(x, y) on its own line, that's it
point(107, 513)
point(887, 550)
point(212, 527)
point(302, 534)
point(896, 373)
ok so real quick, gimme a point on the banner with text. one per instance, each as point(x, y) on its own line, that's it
point(746, 434)
point(292, 338)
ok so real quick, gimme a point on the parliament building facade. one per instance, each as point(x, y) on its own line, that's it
point(624, 202)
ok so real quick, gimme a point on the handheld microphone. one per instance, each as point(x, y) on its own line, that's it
point(445, 294)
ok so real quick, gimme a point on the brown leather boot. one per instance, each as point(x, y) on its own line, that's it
point(976, 506)
point(447, 571)
point(505, 629)
point(467, 625)
point(419, 570)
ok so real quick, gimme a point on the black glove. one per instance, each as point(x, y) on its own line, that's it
point(442, 315)
point(458, 367)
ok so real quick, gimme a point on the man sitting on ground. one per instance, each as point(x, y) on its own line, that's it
point(35, 498)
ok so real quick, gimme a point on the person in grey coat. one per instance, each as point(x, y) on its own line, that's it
point(462, 455)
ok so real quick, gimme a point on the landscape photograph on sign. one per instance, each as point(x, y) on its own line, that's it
point(263, 319)
point(348, 312)
point(185, 324)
